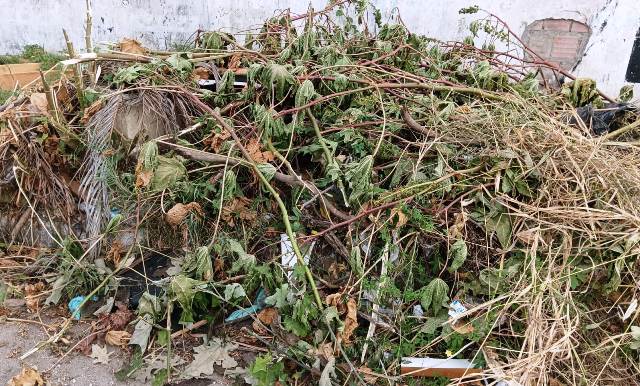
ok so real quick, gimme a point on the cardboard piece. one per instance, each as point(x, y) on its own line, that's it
point(20, 74)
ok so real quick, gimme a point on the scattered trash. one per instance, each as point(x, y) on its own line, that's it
point(289, 259)
point(258, 304)
point(631, 309)
point(432, 367)
point(418, 181)
point(456, 309)
point(74, 305)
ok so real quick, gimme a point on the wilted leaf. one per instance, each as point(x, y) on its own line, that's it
point(100, 354)
point(267, 170)
point(199, 264)
point(167, 173)
point(280, 298)
point(305, 93)
point(141, 333)
point(183, 289)
point(328, 373)
point(244, 261)
point(206, 356)
point(358, 176)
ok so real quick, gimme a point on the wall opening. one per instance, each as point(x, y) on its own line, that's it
point(559, 41)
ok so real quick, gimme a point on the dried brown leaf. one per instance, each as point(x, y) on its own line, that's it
point(200, 73)
point(27, 377)
point(117, 338)
point(143, 178)
point(351, 321)
point(257, 155)
point(131, 46)
point(39, 101)
point(32, 295)
point(179, 212)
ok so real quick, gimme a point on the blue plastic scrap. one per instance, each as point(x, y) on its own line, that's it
point(74, 305)
point(242, 313)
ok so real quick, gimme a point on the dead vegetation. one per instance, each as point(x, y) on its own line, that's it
point(319, 194)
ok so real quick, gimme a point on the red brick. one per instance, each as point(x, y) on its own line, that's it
point(536, 26)
point(557, 25)
point(566, 40)
point(579, 27)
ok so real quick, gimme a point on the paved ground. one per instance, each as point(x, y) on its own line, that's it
point(75, 369)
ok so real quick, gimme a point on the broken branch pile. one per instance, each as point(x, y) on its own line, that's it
point(325, 192)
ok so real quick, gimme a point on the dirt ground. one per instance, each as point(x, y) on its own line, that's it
point(17, 337)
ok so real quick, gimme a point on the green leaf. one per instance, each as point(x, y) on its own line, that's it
point(503, 230)
point(267, 170)
point(432, 324)
point(266, 371)
point(280, 298)
point(169, 171)
point(245, 260)
point(358, 176)
point(179, 63)
point(435, 295)
point(183, 289)
point(458, 255)
point(234, 291)
point(306, 92)
point(199, 264)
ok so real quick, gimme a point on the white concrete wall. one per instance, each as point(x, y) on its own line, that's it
point(157, 23)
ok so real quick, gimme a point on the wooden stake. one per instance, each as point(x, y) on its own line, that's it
point(77, 73)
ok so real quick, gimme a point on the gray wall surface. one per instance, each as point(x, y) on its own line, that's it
point(159, 23)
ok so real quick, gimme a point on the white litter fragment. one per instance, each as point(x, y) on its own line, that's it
point(456, 309)
point(289, 256)
point(433, 367)
point(633, 306)
point(418, 311)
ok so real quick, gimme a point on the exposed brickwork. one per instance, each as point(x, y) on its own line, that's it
point(560, 41)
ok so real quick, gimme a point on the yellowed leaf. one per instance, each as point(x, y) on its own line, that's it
point(27, 377)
